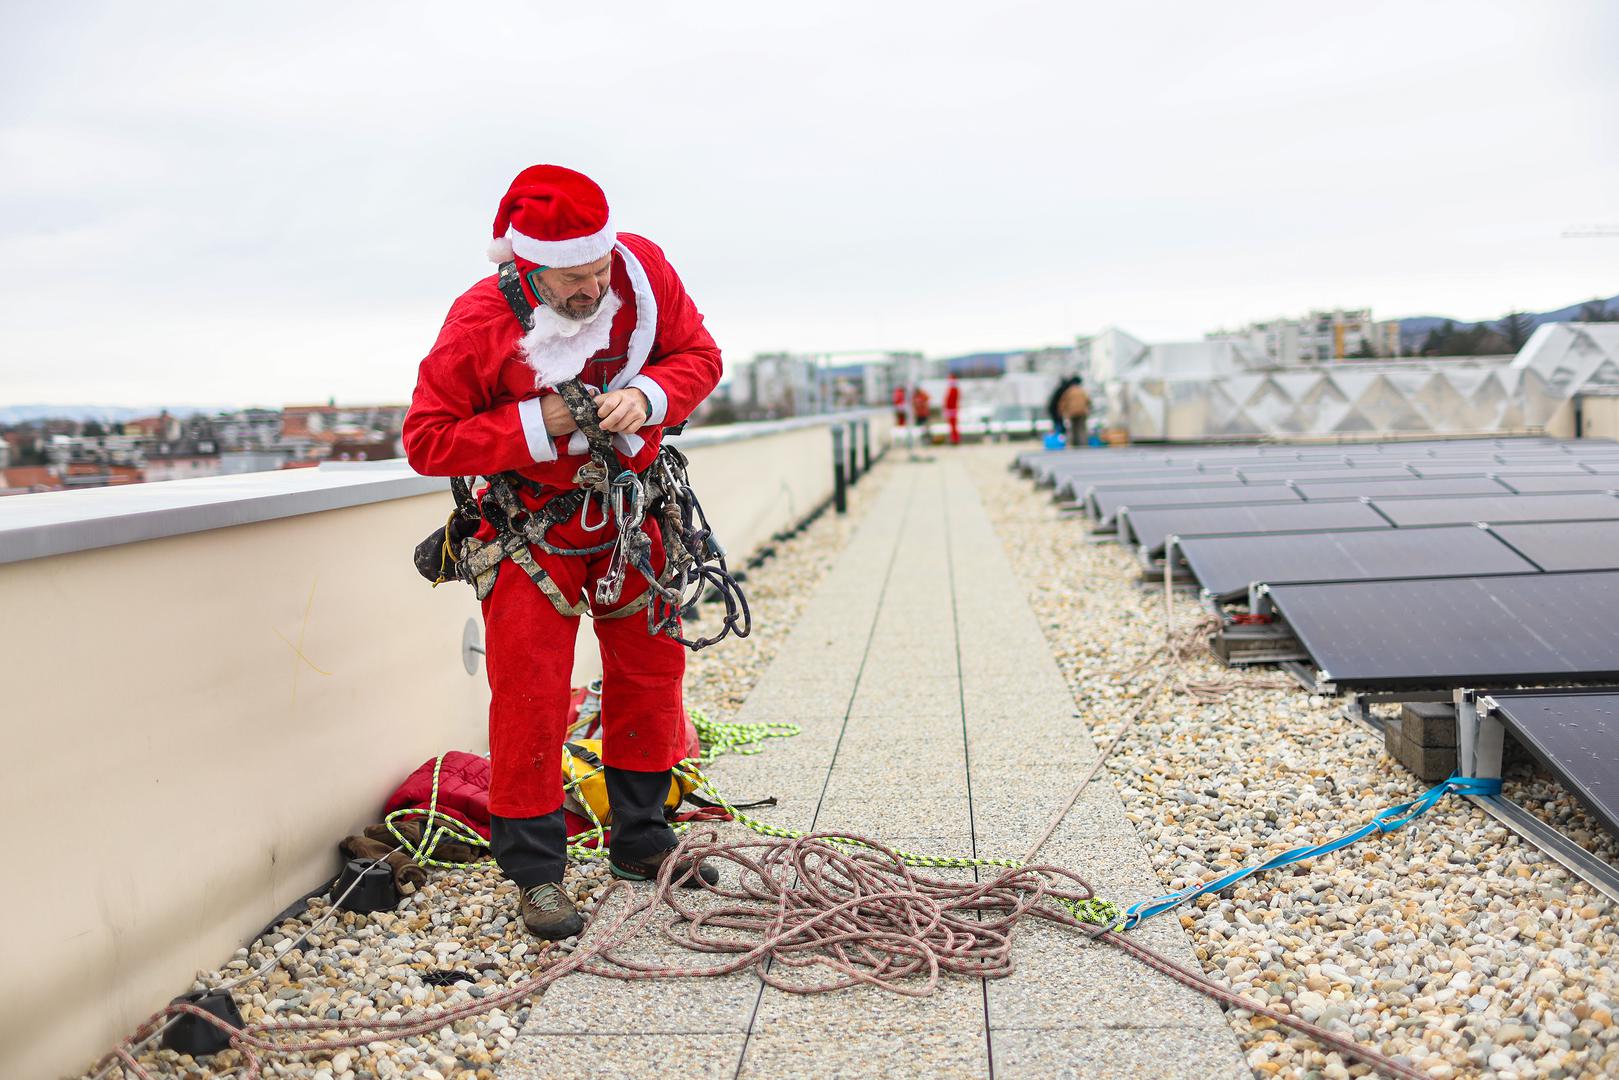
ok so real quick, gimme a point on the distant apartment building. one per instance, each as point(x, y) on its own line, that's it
point(162, 427)
point(1338, 334)
point(248, 429)
point(798, 384)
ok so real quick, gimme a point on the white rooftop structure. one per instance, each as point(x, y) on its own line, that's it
point(1211, 389)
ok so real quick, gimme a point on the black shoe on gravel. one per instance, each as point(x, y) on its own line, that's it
point(548, 913)
point(647, 869)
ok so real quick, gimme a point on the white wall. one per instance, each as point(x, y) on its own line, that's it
point(210, 682)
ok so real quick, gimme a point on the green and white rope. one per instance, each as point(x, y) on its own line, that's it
point(720, 737)
point(726, 738)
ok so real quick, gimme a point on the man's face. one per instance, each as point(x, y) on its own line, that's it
point(575, 292)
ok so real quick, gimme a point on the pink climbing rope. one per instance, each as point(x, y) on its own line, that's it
point(808, 916)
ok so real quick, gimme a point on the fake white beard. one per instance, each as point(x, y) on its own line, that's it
point(558, 347)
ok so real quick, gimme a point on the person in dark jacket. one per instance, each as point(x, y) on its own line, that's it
point(1070, 409)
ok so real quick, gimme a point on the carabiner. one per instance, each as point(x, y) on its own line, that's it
point(584, 515)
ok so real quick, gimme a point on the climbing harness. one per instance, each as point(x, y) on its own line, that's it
point(694, 561)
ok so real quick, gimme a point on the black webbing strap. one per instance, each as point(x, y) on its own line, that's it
point(573, 392)
point(511, 285)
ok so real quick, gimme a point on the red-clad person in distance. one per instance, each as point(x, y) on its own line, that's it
point(952, 410)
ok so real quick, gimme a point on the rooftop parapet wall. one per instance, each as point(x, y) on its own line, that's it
point(212, 681)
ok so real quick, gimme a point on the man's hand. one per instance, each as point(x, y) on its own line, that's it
point(622, 411)
point(558, 420)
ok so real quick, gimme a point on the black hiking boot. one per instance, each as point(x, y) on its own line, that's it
point(548, 913)
point(647, 869)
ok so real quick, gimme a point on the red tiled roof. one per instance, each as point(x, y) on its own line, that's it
point(29, 476)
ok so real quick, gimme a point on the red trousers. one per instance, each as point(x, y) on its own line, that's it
point(529, 653)
point(953, 418)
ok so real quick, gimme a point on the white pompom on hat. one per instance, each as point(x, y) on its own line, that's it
point(552, 216)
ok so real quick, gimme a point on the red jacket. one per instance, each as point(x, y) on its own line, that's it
point(476, 411)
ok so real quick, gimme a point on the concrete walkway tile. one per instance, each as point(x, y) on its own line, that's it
point(816, 740)
point(796, 812)
point(957, 1003)
point(795, 704)
point(924, 778)
point(830, 1054)
point(1035, 792)
point(794, 678)
point(897, 814)
point(889, 694)
point(622, 1057)
point(1118, 1053)
point(917, 659)
point(1046, 705)
point(1060, 734)
point(934, 738)
point(585, 1004)
point(1064, 979)
point(986, 659)
point(591, 1003)
point(1004, 747)
point(939, 729)
point(746, 780)
point(827, 650)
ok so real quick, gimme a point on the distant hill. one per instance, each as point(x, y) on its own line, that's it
point(1415, 329)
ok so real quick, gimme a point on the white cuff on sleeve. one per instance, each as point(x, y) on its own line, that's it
point(655, 397)
point(540, 446)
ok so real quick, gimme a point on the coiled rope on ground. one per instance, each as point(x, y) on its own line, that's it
point(807, 915)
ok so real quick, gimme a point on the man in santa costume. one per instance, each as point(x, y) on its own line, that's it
point(611, 311)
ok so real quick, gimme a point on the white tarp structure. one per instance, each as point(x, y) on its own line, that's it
point(1198, 390)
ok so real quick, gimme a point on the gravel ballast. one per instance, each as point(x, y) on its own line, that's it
point(1450, 944)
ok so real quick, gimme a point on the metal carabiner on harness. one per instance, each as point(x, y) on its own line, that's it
point(584, 514)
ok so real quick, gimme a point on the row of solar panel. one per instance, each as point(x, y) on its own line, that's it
point(1427, 590)
point(1047, 465)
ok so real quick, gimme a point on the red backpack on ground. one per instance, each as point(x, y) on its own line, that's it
point(463, 790)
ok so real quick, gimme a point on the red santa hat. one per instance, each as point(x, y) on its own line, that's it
point(552, 216)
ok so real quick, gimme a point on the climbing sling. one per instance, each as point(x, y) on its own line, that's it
point(693, 558)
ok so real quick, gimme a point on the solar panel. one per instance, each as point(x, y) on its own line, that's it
point(1093, 490)
point(1150, 528)
point(1437, 632)
point(1483, 467)
point(1073, 485)
point(1565, 545)
point(1226, 566)
point(1107, 503)
point(1575, 735)
point(1456, 485)
point(1580, 506)
point(1569, 482)
point(1280, 470)
point(1305, 470)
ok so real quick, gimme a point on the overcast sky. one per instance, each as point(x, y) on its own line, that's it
point(220, 203)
